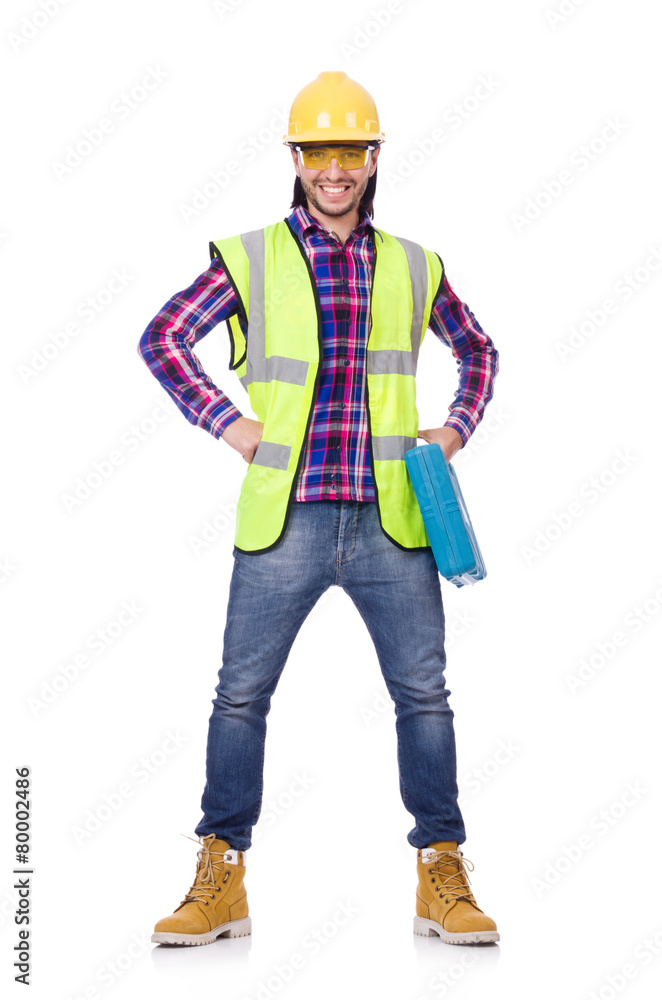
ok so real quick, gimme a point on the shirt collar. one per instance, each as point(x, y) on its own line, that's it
point(303, 223)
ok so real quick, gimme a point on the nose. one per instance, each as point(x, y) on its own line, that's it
point(333, 171)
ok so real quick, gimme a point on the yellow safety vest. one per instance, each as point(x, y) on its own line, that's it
point(278, 360)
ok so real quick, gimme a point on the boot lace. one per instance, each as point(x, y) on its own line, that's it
point(206, 874)
point(459, 890)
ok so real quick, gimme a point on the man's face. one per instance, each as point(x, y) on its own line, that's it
point(321, 186)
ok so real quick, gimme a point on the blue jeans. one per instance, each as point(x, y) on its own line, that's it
point(397, 593)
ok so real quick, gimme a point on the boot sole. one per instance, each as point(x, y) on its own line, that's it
point(428, 928)
point(230, 929)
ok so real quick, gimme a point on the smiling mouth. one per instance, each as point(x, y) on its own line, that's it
point(334, 190)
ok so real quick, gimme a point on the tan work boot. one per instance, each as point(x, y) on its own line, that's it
point(445, 904)
point(216, 904)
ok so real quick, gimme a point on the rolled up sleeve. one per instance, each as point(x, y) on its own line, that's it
point(477, 359)
point(166, 347)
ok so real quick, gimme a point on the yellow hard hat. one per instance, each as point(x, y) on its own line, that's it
point(333, 107)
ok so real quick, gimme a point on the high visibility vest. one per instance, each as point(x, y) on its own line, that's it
point(276, 347)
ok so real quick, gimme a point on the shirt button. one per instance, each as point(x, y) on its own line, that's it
point(345, 361)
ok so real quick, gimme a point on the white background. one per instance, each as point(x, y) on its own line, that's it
point(558, 587)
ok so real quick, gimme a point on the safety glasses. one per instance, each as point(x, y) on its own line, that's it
point(348, 157)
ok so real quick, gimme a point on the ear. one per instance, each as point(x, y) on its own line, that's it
point(373, 166)
point(295, 159)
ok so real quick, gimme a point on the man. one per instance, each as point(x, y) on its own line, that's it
point(326, 314)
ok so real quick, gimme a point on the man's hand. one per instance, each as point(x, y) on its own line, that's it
point(244, 435)
point(449, 440)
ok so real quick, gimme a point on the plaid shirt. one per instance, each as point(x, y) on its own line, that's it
point(336, 457)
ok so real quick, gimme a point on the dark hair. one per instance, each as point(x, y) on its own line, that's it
point(365, 205)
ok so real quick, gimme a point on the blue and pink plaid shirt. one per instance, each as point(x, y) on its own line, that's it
point(336, 457)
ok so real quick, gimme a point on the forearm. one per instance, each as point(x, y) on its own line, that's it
point(477, 360)
point(166, 347)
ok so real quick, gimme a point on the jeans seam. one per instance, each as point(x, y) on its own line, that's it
point(356, 526)
point(344, 554)
point(367, 625)
point(258, 808)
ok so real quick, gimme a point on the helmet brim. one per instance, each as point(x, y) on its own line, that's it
point(335, 134)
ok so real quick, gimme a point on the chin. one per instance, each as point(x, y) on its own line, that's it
point(336, 209)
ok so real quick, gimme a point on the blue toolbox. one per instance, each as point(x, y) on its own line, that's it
point(445, 515)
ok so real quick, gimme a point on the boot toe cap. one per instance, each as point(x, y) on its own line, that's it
point(464, 919)
point(182, 923)
point(481, 922)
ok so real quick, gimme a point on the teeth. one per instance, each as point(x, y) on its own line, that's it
point(334, 190)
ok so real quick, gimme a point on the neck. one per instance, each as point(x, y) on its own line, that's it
point(340, 225)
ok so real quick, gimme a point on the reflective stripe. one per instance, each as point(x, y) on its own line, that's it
point(258, 367)
point(390, 363)
point(290, 370)
point(391, 446)
point(274, 456)
point(418, 273)
point(253, 243)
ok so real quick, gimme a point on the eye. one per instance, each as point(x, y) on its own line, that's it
point(352, 155)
